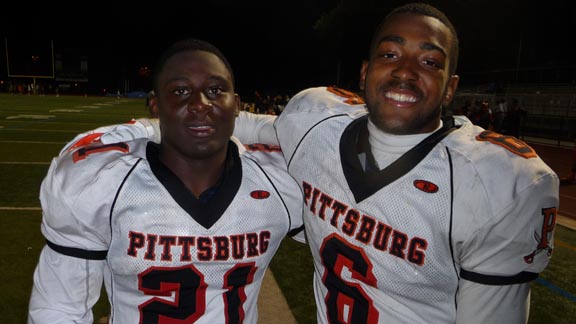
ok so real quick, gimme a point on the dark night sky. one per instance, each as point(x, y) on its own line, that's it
point(275, 46)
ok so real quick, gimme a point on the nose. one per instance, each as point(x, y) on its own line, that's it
point(199, 103)
point(405, 70)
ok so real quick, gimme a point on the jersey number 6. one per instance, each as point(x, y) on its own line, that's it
point(347, 302)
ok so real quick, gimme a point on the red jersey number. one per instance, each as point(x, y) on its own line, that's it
point(189, 289)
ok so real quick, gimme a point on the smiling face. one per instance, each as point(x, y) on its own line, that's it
point(407, 80)
point(196, 104)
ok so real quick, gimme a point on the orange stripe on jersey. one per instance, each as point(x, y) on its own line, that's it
point(510, 143)
point(83, 152)
point(262, 147)
point(351, 97)
point(88, 139)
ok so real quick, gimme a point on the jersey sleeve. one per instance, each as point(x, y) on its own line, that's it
point(312, 106)
point(516, 243)
point(65, 289)
point(250, 128)
point(506, 200)
point(76, 197)
point(134, 129)
point(78, 192)
point(255, 128)
point(479, 304)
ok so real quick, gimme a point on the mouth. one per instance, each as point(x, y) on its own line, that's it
point(400, 97)
point(401, 94)
point(201, 130)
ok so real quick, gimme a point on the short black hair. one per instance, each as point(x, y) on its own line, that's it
point(190, 44)
point(424, 9)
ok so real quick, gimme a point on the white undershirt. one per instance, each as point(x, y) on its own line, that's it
point(387, 148)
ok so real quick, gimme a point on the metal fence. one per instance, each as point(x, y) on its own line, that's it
point(550, 112)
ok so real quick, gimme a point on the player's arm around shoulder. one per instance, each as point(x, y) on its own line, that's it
point(325, 100)
point(255, 128)
point(134, 129)
point(315, 104)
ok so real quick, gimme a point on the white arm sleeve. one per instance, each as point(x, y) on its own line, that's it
point(250, 128)
point(65, 289)
point(140, 128)
point(136, 128)
point(480, 304)
point(254, 128)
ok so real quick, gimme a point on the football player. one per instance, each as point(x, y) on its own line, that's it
point(411, 217)
point(180, 231)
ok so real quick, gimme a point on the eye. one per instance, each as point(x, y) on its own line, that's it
point(387, 55)
point(181, 91)
point(432, 64)
point(214, 91)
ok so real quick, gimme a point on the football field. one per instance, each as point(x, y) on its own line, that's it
point(34, 128)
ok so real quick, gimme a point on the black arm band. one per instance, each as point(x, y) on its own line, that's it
point(521, 277)
point(78, 253)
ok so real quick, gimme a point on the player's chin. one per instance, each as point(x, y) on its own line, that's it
point(388, 120)
point(398, 125)
point(203, 149)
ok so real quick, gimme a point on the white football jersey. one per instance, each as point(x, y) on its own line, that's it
point(393, 245)
point(168, 256)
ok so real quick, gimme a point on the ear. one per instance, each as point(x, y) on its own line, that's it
point(153, 106)
point(450, 90)
point(363, 71)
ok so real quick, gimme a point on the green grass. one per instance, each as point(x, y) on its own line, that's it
point(292, 267)
point(546, 305)
point(33, 129)
point(29, 142)
point(21, 245)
